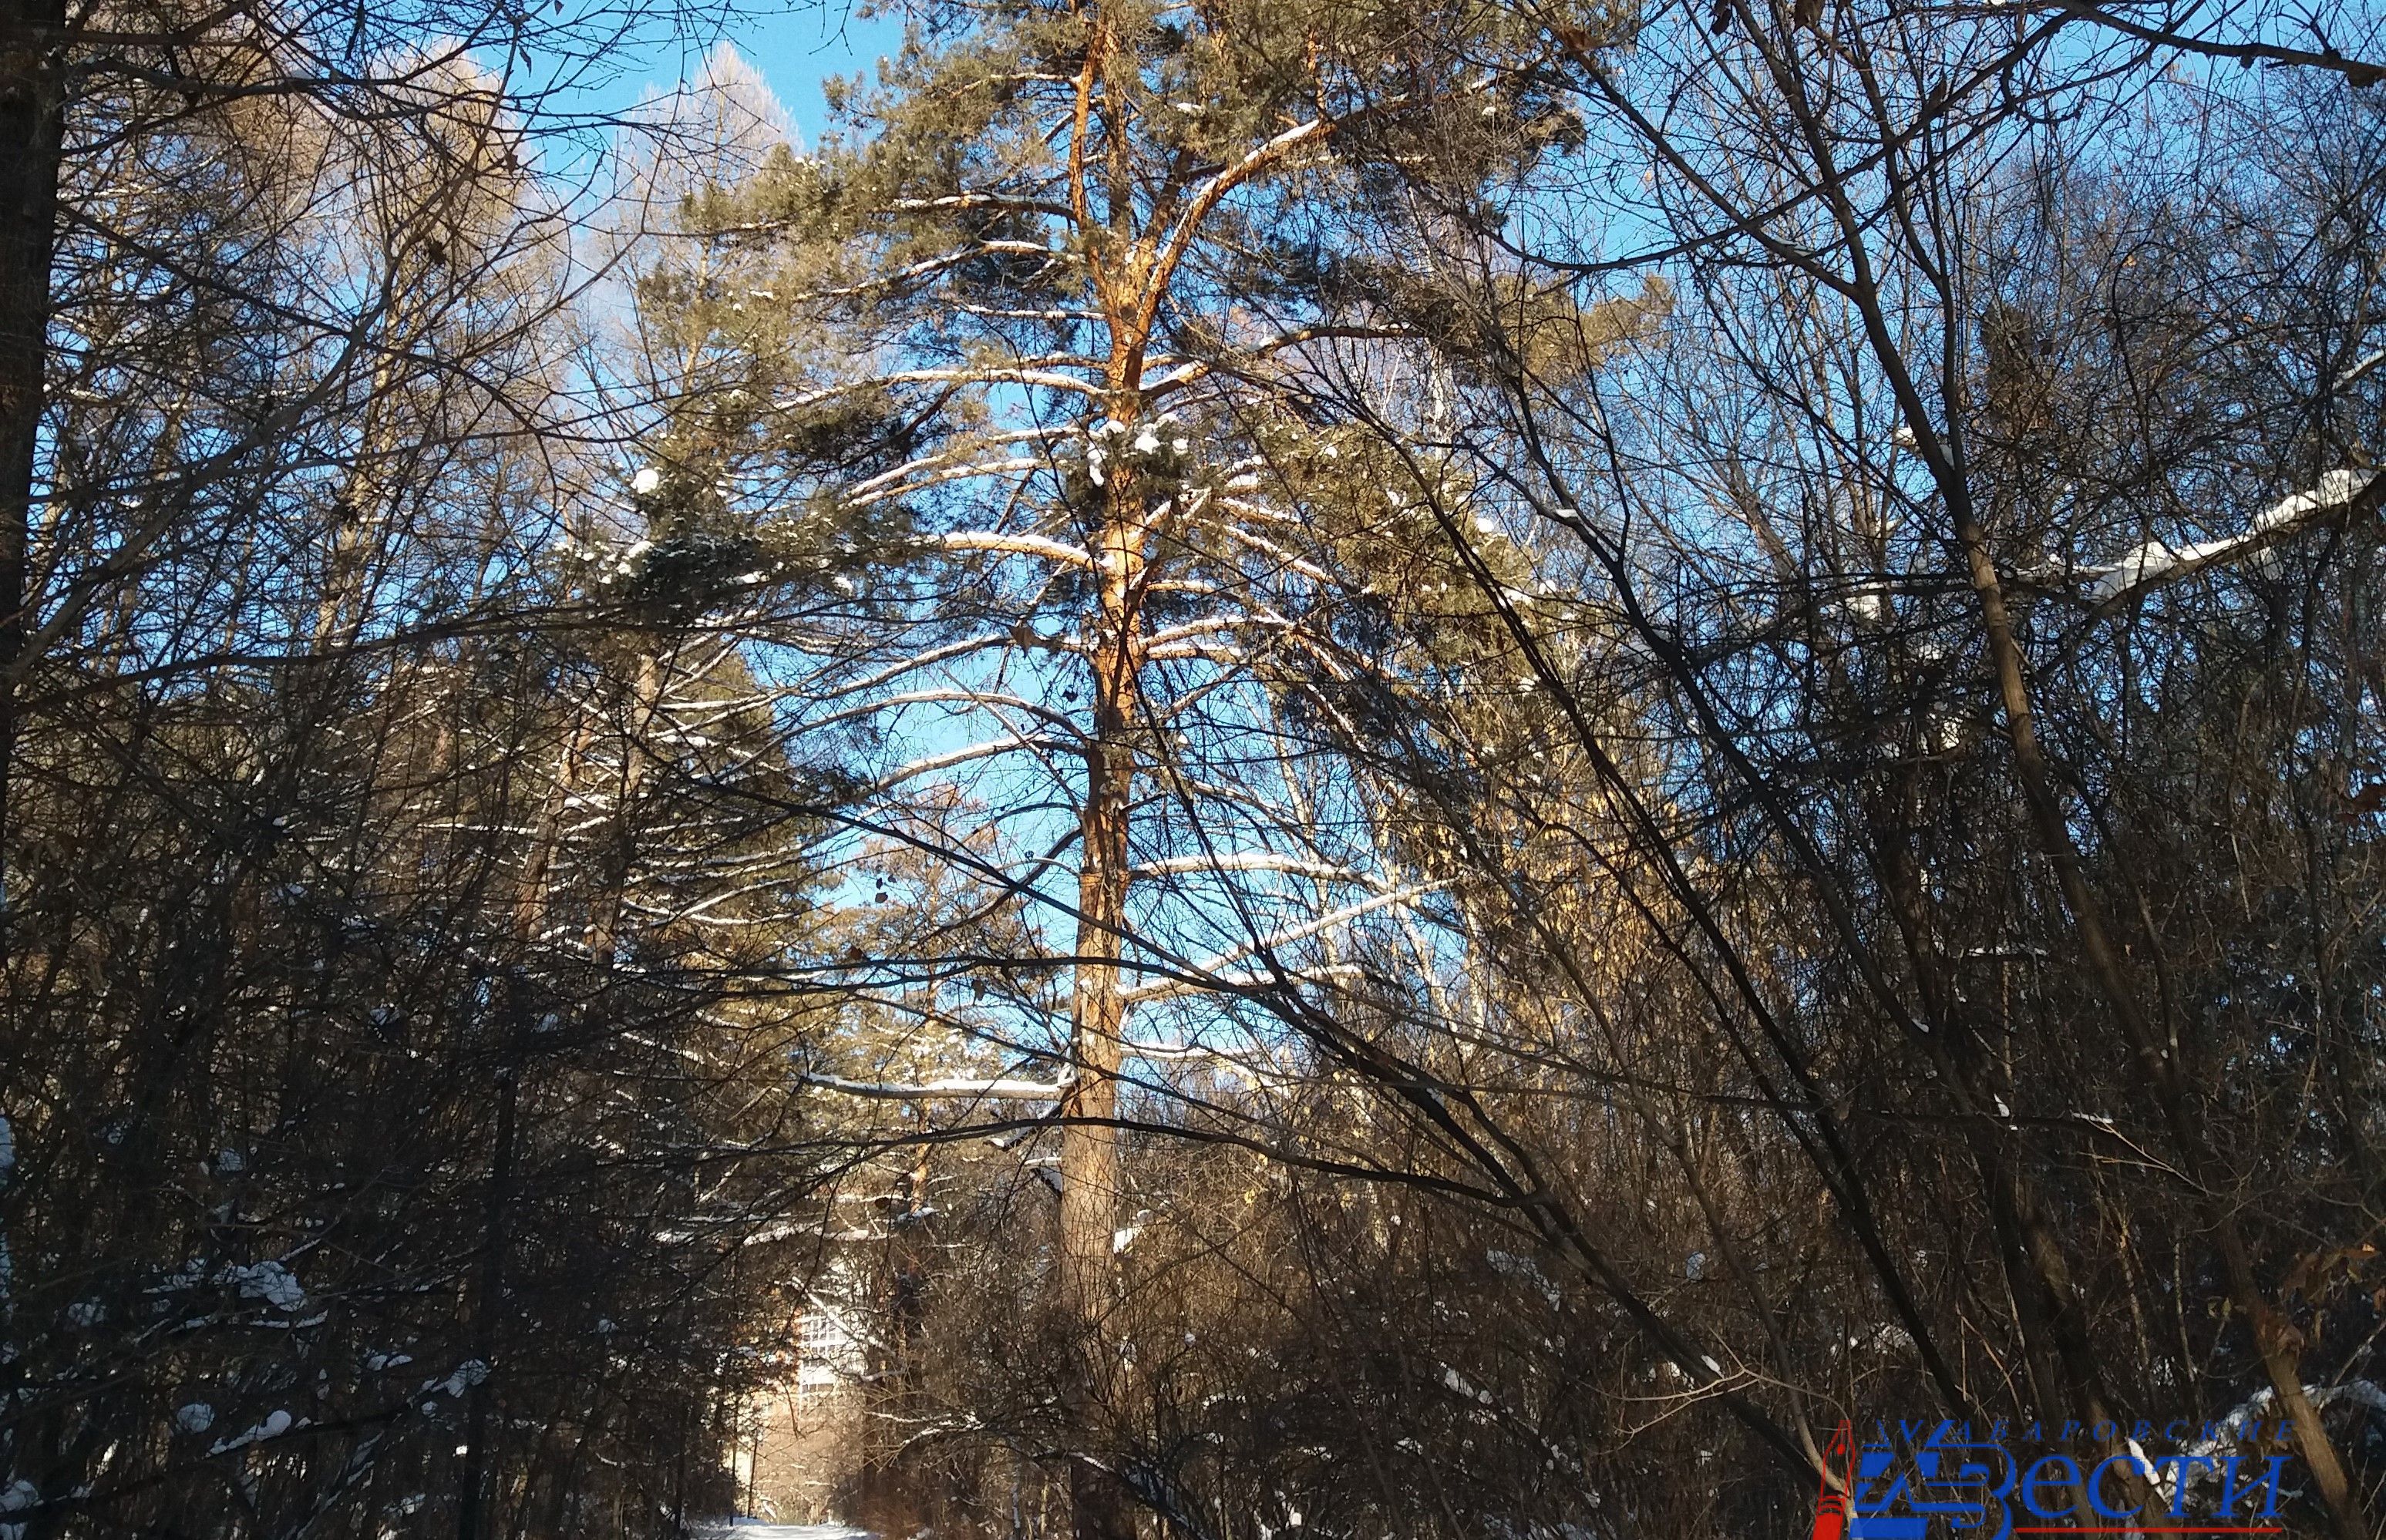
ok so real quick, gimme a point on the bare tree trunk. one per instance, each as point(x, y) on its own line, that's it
point(640, 712)
point(31, 130)
point(529, 916)
point(2271, 1337)
point(471, 1495)
point(32, 120)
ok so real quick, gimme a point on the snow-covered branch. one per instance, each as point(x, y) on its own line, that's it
point(1211, 971)
point(942, 1090)
point(928, 764)
point(1251, 860)
point(1169, 988)
point(930, 266)
point(2157, 562)
point(1017, 544)
point(1014, 467)
point(990, 376)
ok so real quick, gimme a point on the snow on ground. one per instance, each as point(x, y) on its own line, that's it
point(757, 1529)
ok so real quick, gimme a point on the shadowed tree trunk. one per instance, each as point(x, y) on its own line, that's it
point(31, 130)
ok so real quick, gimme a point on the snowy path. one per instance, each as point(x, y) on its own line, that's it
point(755, 1529)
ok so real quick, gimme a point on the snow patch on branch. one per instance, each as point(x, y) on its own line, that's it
point(271, 1281)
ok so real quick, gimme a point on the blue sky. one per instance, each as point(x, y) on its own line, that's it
point(795, 44)
point(796, 51)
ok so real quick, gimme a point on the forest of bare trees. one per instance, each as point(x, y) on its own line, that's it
point(1402, 767)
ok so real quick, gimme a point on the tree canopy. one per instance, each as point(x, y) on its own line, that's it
point(1355, 767)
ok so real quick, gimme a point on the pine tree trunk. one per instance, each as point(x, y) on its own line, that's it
point(1089, 1145)
point(1089, 1157)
